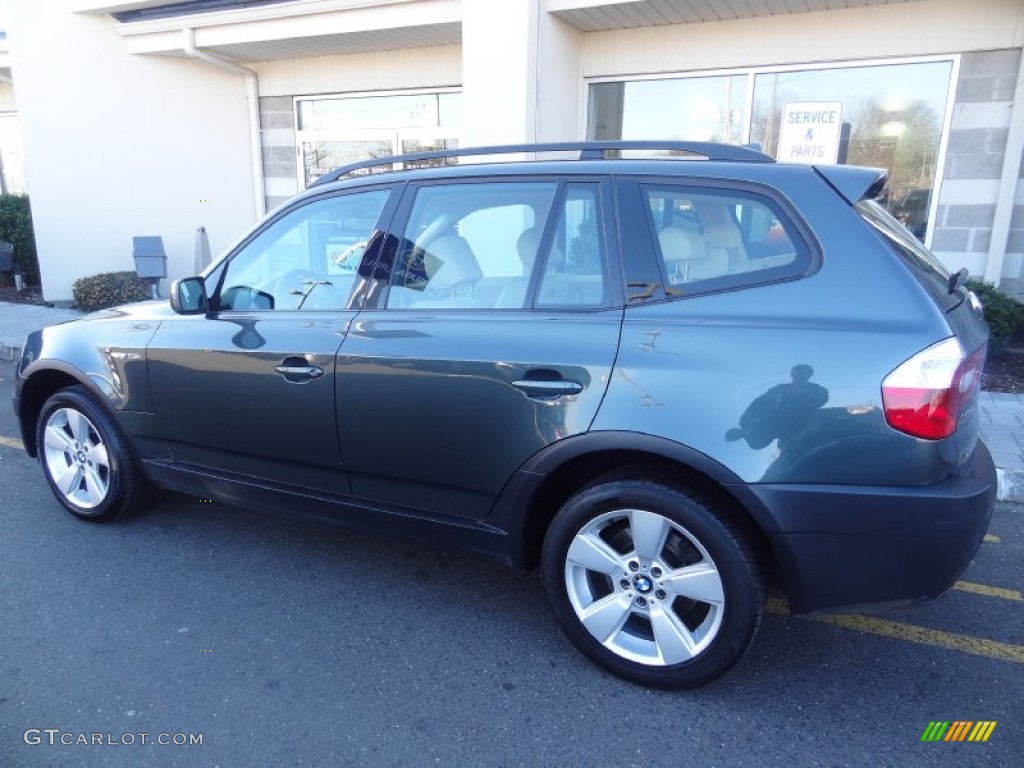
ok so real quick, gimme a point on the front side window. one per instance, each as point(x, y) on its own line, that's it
point(712, 239)
point(307, 259)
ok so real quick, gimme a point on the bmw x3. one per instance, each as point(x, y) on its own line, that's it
point(672, 383)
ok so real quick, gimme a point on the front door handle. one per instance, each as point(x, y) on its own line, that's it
point(547, 389)
point(297, 370)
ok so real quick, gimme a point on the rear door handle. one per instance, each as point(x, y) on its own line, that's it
point(297, 370)
point(546, 389)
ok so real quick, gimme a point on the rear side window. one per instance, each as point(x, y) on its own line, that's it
point(711, 239)
point(501, 245)
point(470, 246)
point(574, 269)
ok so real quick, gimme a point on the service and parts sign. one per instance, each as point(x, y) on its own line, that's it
point(810, 132)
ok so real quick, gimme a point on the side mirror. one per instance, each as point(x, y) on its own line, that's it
point(188, 296)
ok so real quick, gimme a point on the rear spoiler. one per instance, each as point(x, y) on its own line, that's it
point(854, 182)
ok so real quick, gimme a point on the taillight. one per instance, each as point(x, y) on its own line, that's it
point(925, 395)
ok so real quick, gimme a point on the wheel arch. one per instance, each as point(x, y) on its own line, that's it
point(550, 478)
point(38, 386)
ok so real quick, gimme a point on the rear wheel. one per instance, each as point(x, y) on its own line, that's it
point(650, 583)
point(86, 459)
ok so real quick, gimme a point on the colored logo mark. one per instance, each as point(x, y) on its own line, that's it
point(959, 730)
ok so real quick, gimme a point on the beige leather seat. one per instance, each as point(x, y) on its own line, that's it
point(686, 257)
point(513, 295)
point(722, 234)
point(451, 283)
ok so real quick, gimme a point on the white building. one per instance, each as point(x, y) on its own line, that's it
point(154, 117)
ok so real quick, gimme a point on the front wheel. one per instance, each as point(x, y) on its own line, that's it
point(652, 583)
point(86, 459)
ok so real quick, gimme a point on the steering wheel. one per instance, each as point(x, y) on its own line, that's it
point(305, 289)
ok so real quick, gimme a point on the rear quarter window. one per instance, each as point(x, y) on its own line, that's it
point(715, 239)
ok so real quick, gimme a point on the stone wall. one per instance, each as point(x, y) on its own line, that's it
point(277, 133)
point(974, 161)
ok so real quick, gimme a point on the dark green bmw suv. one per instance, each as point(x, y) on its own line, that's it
point(672, 382)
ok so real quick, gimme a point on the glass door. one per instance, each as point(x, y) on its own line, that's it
point(333, 131)
point(324, 152)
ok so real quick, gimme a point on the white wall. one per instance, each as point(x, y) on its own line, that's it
point(499, 53)
point(558, 72)
point(119, 145)
point(520, 74)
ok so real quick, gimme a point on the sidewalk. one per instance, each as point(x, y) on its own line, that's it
point(1002, 414)
point(16, 320)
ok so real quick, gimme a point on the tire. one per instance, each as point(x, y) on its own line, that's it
point(677, 607)
point(86, 459)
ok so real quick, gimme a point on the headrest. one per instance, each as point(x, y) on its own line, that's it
point(723, 235)
point(527, 246)
point(458, 265)
point(681, 244)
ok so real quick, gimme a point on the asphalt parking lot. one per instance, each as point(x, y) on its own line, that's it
point(282, 642)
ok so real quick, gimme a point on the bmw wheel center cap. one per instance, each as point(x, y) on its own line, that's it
point(643, 583)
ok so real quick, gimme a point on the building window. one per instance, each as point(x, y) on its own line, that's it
point(887, 115)
point(891, 117)
point(684, 109)
point(336, 131)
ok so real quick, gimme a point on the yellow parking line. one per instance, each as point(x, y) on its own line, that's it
point(10, 442)
point(978, 646)
point(984, 589)
point(991, 538)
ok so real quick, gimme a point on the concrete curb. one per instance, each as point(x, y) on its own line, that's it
point(10, 353)
point(1011, 486)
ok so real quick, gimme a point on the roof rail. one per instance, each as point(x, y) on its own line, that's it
point(589, 150)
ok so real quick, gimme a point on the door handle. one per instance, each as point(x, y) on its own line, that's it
point(297, 370)
point(547, 389)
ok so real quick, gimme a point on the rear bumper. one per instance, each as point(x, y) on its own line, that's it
point(846, 547)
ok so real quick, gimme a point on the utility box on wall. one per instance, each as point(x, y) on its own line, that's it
point(150, 257)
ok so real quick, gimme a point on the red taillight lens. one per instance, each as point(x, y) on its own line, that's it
point(925, 395)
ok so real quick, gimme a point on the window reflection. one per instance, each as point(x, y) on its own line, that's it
point(423, 110)
point(337, 131)
point(319, 157)
point(683, 109)
point(893, 117)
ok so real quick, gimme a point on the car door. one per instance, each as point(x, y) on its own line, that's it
point(490, 335)
point(249, 388)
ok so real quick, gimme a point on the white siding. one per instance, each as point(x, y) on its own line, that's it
point(383, 71)
point(906, 29)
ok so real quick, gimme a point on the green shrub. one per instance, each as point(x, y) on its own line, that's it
point(16, 228)
point(108, 289)
point(1003, 315)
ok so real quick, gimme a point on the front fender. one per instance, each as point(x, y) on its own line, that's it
point(105, 353)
